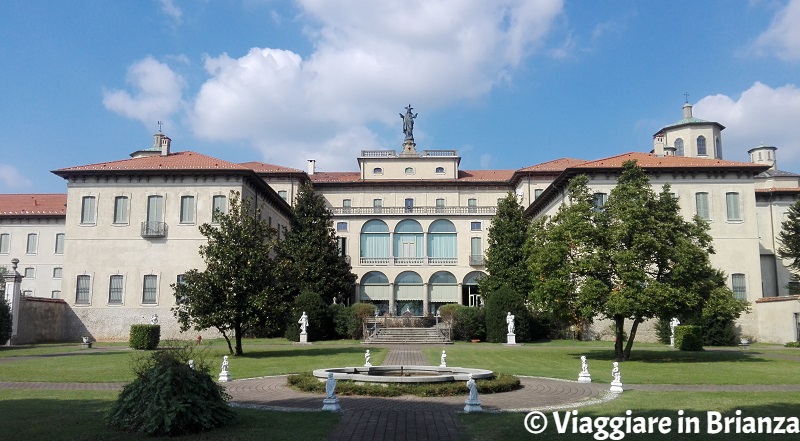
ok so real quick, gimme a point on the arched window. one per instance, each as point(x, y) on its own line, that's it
point(679, 147)
point(374, 286)
point(377, 171)
point(718, 148)
point(408, 291)
point(375, 243)
point(442, 243)
point(439, 170)
point(469, 289)
point(408, 243)
point(443, 287)
point(701, 146)
point(409, 170)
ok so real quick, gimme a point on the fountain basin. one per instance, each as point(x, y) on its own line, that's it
point(403, 374)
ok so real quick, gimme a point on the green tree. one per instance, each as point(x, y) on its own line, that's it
point(239, 289)
point(5, 321)
point(310, 246)
point(498, 305)
point(320, 322)
point(505, 257)
point(634, 259)
point(789, 238)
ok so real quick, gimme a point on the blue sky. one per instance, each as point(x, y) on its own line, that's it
point(509, 83)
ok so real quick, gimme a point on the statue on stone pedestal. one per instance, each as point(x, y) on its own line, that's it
point(473, 389)
point(303, 323)
point(584, 365)
point(408, 123)
point(583, 376)
point(330, 386)
point(367, 358)
point(616, 383)
point(443, 359)
point(673, 323)
point(510, 321)
point(224, 364)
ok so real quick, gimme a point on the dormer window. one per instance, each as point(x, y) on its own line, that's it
point(409, 170)
point(439, 170)
point(377, 171)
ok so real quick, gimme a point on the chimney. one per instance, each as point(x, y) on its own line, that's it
point(312, 166)
point(165, 141)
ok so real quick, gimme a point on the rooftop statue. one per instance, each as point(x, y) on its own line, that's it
point(408, 123)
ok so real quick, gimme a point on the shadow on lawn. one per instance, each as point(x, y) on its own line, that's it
point(306, 351)
point(661, 356)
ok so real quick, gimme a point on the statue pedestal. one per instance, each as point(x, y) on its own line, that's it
point(472, 406)
point(584, 377)
point(303, 337)
point(616, 386)
point(224, 377)
point(331, 404)
point(367, 364)
point(672, 342)
point(511, 338)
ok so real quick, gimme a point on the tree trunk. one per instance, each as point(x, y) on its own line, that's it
point(619, 327)
point(632, 336)
point(237, 329)
point(230, 348)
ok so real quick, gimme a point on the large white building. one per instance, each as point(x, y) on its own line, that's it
point(412, 223)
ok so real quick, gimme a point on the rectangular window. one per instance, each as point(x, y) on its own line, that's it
point(55, 294)
point(87, 210)
point(155, 209)
point(219, 205)
point(409, 205)
point(28, 273)
point(27, 293)
point(33, 240)
point(283, 195)
point(82, 290)
point(341, 243)
point(347, 204)
point(5, 241)
point(701, 204)
point(739, 286)
point(475, 226)
point(599, 201)
point(59, 243)
point(57, 272)
point(115, 289)
point(537, 193)
point(472, 205)
point(732, 203)
point(187, 209)
point(440, 203)
point(476, 251)
point(179, 279)
point(149, 288)
point(377, 205)
point(121, 210)
point(341, 226)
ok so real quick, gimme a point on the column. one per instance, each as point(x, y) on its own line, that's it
point(460, 294)
point(392, 311)
point(426, 295)
point(13, 280)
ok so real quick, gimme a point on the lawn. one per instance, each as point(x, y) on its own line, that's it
point(79, 414)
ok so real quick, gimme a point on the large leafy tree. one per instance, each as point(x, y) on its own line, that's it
point(312, 252)
point(505, 257)
point(239, 289)
point(635, 259)
point(789, 238)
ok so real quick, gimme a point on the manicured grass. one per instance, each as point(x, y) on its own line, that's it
point(35, 415)
point(507, 426)
point(109, 366)
point(649, 364)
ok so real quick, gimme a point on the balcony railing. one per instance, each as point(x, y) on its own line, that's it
point(154, 229)
point(408, 261)
point(476, 260)
point(433, 210)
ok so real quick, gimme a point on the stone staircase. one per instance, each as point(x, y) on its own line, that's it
point(430, 335)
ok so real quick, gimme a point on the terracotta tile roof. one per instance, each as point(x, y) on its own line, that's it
point(324, 177)
point(559, 164)
point(174, 161)
point(33, 204)
point(263, 167)
point(485, 175)
point(650, 161)
point(792, 298)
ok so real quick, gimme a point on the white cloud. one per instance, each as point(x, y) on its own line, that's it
point(370, 59)
point(168, 7)
point(760, 114)
point(782, 38)
point(12, 178)
point(157, 96)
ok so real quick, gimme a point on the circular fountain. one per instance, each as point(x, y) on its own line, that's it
point(403, 374)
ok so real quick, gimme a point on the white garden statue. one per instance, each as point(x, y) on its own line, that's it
point(303, 323)
point(443, 359)
point(583, 376)
point(331, 402)
point(224, 375)
point(472, 404)
point(367, 358)
point(616, 382)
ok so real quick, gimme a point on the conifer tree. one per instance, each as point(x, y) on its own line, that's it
point(505, 257)
point(312, 252)
point(789, 238)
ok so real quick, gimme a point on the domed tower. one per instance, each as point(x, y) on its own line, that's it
point(690, 136)
point(764, 154)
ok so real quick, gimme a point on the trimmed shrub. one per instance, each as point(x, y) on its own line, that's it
point(792, 344)
point(144, 336)
point(498, 305)
point(169, 398)
point(689, 338)
point(307, 382)
point(5, 321)
point(468, 323)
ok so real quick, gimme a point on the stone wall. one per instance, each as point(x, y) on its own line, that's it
point(113, 324)
point(41, 320)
